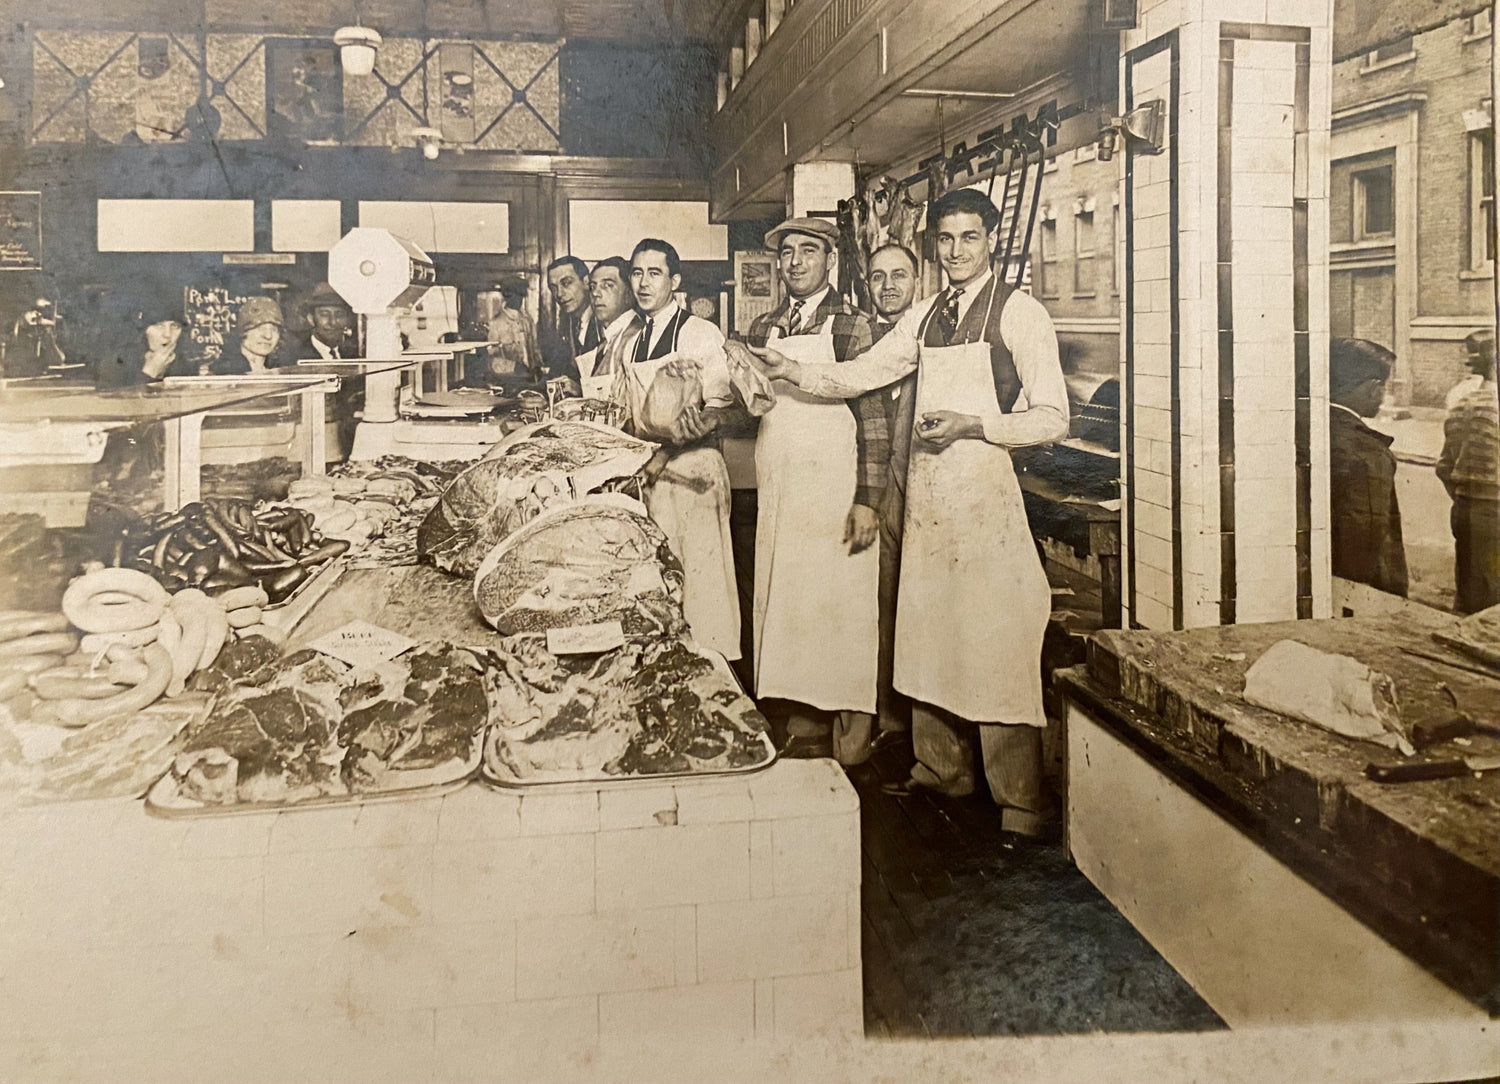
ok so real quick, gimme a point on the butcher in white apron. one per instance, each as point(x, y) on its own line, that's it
point(689, 498)
point(614, 305)
point(973, 599)
point(817, 570)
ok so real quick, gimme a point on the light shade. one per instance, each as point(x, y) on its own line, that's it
point(357, 45)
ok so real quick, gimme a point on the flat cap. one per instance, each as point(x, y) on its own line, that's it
point(822, 228)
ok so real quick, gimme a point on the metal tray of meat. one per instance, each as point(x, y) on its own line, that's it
point(493, 772)
point(166, 800)
point(490, 777)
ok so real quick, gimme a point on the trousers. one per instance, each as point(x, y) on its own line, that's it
point(1476, 545)
point(1012, 763)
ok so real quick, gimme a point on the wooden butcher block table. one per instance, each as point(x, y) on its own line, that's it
point(1416, 862)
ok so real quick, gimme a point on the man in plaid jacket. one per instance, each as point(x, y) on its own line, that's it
point(822, 471)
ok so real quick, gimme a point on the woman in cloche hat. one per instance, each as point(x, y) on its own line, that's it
point(257, 329)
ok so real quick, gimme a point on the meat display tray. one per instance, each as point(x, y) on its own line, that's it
point(604, 781)
point(601, 780)
point(166, 800)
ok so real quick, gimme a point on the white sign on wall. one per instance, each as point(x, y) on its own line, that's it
point(442, 227)
point(176, 225)
point(598, 228)
point(305, 225)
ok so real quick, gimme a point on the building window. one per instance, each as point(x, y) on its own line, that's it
point(1047, 239)
point(1481, 200)
point(1114, 250)
point(1084, 248)
point(1374, 203)
point(1388, 56)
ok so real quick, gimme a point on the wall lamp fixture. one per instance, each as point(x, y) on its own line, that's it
point(1141, 131)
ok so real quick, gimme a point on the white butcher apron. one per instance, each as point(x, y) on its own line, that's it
point(593, 387)
point(690, 503)
point(973, 601)
point(817, 607)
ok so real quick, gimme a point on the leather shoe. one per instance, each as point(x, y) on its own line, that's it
point(907, 787)
point(798, 747)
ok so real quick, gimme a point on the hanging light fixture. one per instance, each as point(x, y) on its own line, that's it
point(357, 45)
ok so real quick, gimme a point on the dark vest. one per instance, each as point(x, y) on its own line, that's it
point(667, 342)
point(973, 328)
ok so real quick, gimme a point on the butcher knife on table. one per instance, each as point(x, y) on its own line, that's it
point(1430, 769)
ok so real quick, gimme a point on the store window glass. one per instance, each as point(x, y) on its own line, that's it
point(1481, 218)
point(1374, 202)
point(1047, 241)
point(1084, 251)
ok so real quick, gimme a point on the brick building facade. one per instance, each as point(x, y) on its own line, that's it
point(1412, 194)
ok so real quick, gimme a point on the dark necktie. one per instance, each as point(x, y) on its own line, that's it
point(948, 318)
point(794, 318)
point(643, 344)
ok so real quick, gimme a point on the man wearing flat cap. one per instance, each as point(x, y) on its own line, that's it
point(820, 468)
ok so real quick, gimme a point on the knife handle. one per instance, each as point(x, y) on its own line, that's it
point(1411, 773)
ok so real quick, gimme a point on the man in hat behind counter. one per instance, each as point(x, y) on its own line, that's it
point(331, 334)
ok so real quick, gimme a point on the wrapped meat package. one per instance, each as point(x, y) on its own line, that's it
point(538, 467)
point(676, 386)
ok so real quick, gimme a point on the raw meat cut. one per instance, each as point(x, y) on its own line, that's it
point(654, 707)
point(1335, 692)
point(594, 560)
point(310, 726)
point(535, 468)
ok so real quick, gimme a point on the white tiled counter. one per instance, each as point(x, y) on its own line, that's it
point(444, 937)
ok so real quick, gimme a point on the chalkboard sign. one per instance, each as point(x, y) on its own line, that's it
point(210, 313)
point(20, 231)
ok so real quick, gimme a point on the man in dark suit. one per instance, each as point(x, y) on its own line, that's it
point(330, 335)
point(574, 329)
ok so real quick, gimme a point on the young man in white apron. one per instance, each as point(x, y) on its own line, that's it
point(689, 498)
point(973, 600)
point(614, 305)
point(820, 477)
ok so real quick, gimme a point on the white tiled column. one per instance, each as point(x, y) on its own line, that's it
point(1226, 315)
point(815, 188)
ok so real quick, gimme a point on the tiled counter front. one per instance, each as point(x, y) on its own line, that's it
point(444, 937)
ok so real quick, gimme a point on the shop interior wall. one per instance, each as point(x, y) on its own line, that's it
point(618, 101)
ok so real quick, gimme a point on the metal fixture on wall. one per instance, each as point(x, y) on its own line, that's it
point(357, 45)
point(1141, 131)
point(429, 141)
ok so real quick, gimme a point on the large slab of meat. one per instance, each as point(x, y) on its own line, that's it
point(596, 560)
point(659, 707)
point(309, 728)
point(537, 467)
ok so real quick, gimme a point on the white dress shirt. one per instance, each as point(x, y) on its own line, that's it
point(1041, 413)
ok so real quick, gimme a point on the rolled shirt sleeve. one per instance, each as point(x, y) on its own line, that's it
point(1041, 412)
point(704, 343)
point(892, 358)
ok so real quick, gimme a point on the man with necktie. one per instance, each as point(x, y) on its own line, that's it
point(575, 330)
point(689, 497)
point(614, 306)
point(973, 601)
point(820, 469)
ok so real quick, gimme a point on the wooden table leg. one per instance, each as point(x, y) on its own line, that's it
point(314, 438)
point(183, 482)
